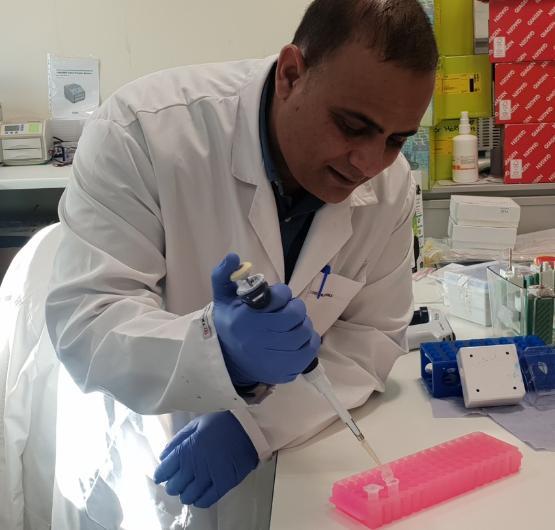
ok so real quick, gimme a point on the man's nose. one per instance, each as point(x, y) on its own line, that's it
point(368, 158)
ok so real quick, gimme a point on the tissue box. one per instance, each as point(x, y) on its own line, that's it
point(525, 92)
point(484, 211)
point(529, 153)
point(521, 30)
point(481, 237)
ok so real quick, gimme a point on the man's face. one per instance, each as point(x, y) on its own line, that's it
point(337, 125)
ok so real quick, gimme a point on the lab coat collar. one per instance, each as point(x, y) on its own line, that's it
point(246, 154)
point(247, 164)
point(364, 195)
point(331, 227)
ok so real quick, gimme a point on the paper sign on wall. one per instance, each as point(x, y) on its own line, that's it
point(73, 86)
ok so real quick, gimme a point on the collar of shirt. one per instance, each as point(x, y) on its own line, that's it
point(286, 205)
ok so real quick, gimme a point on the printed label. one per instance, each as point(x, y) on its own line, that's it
point(461, 84)
point(505, 110)
point(443, 146)
point(463, 162)
point(516, 169)
point(499, 47)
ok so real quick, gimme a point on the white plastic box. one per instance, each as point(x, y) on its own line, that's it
point(490, 375)
point(484, 211)
point(467, 294)
point(481, 237)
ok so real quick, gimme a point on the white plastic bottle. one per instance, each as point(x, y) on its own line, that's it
point(465, 153)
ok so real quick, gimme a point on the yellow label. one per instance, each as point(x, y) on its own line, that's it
point(443, 146)
point(461, 84)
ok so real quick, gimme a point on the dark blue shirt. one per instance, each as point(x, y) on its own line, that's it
point(295, 214)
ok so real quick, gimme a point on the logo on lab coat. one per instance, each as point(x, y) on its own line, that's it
point(323, 295)
point(205, 324)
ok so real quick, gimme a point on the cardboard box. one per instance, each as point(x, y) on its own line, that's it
point(454, 27)
point(521, 30)
point(484, 211)
point(453, 23)
point(529, 153)
point(525, 92)
point(462, 83)
point(484, 237)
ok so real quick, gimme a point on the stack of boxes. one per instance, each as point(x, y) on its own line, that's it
point(483, 222)
point(522, 48)
point(463, 82)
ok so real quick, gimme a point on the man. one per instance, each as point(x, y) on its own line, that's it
point(292, 164)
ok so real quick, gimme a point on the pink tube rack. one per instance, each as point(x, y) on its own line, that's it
point(424, 478)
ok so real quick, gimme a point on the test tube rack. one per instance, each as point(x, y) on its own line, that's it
point(425, 478)
point(443, 379)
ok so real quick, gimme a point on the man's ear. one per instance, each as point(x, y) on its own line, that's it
point(290, 69)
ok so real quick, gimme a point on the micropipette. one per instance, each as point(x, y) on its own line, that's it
point(255, 292)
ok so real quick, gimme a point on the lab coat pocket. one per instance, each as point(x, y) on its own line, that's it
point(338, 291)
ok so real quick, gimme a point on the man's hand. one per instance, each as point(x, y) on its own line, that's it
point(207, 458)
point(271, 345)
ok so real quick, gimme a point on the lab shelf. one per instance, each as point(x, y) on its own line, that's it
point(34, 177)
point(507, 190)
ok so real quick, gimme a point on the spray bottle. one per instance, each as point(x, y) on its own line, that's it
point(465, 153)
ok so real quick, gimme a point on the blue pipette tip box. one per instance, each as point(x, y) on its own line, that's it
point(443, 380)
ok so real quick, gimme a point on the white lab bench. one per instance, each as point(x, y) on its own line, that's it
point(29, 194)
point(42, 176)
point(31, 191)
point(397, 423)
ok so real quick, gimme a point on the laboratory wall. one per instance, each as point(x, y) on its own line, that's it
point(131, 38)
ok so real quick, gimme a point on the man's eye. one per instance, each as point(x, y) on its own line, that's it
point(349, 128)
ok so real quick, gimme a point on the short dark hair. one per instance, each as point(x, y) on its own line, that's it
point(398, 30)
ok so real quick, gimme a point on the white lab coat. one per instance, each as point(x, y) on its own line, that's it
point(28, 387)
point(168, 178)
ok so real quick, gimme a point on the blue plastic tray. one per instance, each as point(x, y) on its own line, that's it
point(444, 381)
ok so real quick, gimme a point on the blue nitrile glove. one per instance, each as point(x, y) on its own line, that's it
point(270, 345)
point(208, 457)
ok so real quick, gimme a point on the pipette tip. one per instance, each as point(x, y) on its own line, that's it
point(369, 450)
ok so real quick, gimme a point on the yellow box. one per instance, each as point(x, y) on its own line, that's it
point(462, 83)
point(454, 26)
point(453, 23)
